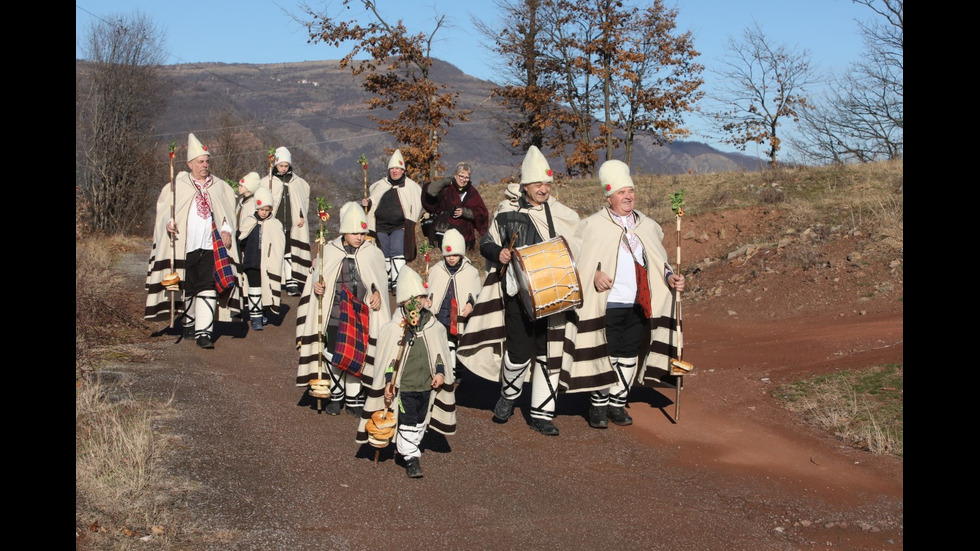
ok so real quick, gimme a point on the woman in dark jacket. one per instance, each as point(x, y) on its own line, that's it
point(455, 203)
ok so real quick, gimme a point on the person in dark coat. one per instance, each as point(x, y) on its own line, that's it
point(455, 203)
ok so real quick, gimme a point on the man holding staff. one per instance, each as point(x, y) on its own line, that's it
point(196, 199)
point(501, 338)
point(625, 317)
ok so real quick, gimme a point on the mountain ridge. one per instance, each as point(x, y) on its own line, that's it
point(319, 109)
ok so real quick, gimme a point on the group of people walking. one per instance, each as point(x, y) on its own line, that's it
point(405, 359)
point(257, 239)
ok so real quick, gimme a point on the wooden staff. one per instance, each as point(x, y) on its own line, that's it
point(678, 366)
point(425, 249)
point(394, 377)
point(363, 161)
point(173, 236)
point(677, 296)
point(319, 312)
point(272, 163)
point(321, 240)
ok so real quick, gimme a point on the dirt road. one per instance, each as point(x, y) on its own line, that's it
point(734, 471)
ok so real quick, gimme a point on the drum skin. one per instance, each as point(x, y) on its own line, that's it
point(548, 278)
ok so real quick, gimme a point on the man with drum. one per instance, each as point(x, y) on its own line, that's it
point(502, 337)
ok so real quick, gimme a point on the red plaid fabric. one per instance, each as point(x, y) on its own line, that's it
point(350, 350)
point(224, 276)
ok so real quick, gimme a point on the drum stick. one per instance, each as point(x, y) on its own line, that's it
point(513, 239)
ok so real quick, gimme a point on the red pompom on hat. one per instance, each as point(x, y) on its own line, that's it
point(263, 197)
point(352, 218)
point(453, 241)
point(535, 168)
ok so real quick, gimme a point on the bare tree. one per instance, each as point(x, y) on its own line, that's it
point(397, 73)
point(549, 90)
point(861, 118)
point(611, 54)
point(763, 87)
point(121, 101)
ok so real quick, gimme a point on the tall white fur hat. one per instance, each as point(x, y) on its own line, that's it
point(263, 197)
point(613, 176)
point(535, 168)
point(353, 219)
point(409, 285)
point(396, 160)
point(250, 181)
point(453, 243)
point(283, 156)
point(195, 148)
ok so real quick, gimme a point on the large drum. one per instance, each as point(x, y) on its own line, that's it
point(547, 278)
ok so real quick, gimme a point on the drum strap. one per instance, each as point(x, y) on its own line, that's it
point(551, 222)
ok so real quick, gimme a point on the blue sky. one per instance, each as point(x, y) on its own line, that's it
point(267, 31)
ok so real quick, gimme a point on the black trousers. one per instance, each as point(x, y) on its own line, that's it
point(199, 271)
point(625, 328)
point(526, 338)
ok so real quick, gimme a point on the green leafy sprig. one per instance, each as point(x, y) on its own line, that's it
point(322, 206)
point(677, 202)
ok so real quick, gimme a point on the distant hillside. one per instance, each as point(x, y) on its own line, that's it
point(321, 109)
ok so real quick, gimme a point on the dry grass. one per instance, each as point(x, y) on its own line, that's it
point(865, 408)
point(122, 493)
point(817, 202)
point(101, 319)
point(867, 198)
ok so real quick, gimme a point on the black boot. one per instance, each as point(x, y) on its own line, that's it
point(334, 407)
point(597, 417)
point(544, 426)
point(413, 468)
point(503, 410)
point(619, 416)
